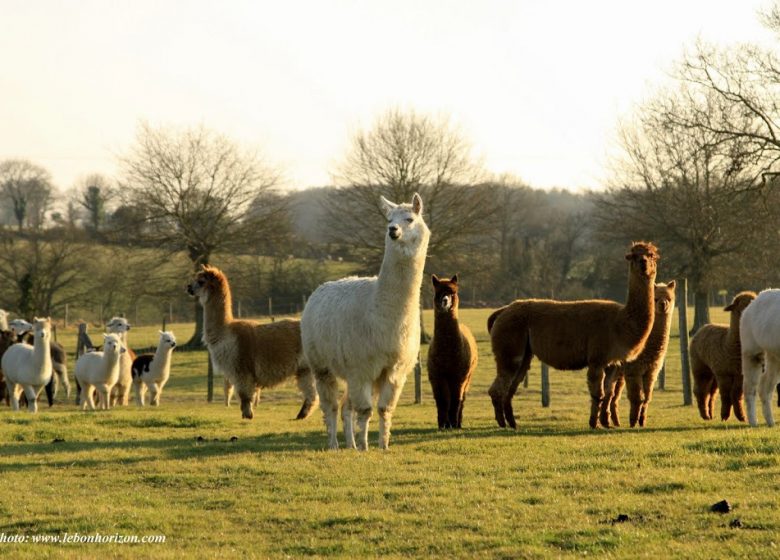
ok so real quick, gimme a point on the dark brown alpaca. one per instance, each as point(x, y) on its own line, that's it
point(452, 357)
point(640, 375)
point(571, 335)
point(716, 363)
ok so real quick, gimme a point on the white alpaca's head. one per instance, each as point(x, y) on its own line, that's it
point(167, 339)
point(19, 327)
point(112, 344)
point(41, 328)
point(117, 325)
point(406, 229)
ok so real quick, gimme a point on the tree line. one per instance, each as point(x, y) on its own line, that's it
point(695, 172)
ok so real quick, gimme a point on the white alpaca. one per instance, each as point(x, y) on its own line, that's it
point(759, 332)
point(59, 358)
point(28, 368)
point(367, 330)
point(152, 370)
point(120, 393)
point(99, 370)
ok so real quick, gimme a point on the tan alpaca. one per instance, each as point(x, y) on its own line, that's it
point(573, 335)
point(251, 356)
point(640, 375)
point(716, 363)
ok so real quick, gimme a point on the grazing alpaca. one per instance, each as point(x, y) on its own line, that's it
point(99, 370)
point(251, 356)
point(716, 363)
point(367, 330)
point(120, 392)
point(152, 370)
point(571, 335)
point(7, 338)
point(452, 357)
point(28, 368)
point(759, 331)
point(59, 358)
point(640, 374)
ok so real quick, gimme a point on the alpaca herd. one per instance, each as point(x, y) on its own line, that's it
point(363, 334)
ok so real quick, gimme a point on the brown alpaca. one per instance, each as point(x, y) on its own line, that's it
point(452, 357)
point(571, 335)
point(640, 374)
point(7, 338)
point(716, 363)
point(250, 355)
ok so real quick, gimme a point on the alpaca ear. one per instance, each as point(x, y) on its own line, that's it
point(386, 206)
point(417, 204)
point(454, 279)
point(729, 307)
point(671, 284)
point(435, 280)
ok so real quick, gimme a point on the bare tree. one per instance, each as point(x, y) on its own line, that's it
point(92, 194)
point(681, 187)
point(404, 153)
point(201, 193)
point(27, 188)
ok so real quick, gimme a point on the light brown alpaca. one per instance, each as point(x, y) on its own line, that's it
point(640, 374)
point(250, 355)
point(452, 357)
point(716, 363)
point(571, 335)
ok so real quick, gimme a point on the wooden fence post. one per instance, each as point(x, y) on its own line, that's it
point(418, 381)
point(682, 299)
point(545, 385)
point(210, 379)
point(661, 383)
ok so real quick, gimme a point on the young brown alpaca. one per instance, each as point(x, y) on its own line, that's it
point(716, 363)
point(571, 335)
point(452, 357)
point(251, 356)
point(640, 374)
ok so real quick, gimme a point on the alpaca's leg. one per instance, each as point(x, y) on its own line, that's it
point(737, 398)
point(596, 388)
point(611, 377)
point(389, 392)
point(307, 386)
point(228, 387)
point(140, 391)
point(125, 395)
point(55, 381)
point(255, 397)
point(245, 387)
point(15, 391)
point(105, 396)
point(461, 402)
point(635, 397)
point(617, 392)
point(157, 395)
point(751, 373)
point(648, 383)
point(32, 398)
point(767, 386)
point(348, 421)
point(703, 383)
point(63, 373)
point(453, 407)
point(87, 396)
point(439, 395)
point(725, 384)
point(328, 390)
point(360, 398)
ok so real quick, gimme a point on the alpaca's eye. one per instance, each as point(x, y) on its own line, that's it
point(409, 220)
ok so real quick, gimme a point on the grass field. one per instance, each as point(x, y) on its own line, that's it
point(219, 486)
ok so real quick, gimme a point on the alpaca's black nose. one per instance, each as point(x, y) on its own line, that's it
point(394, 232)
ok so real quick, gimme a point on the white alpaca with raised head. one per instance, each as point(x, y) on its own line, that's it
point(28, 368)
point(153, 370)
point(367, 330)
point(99, 371)
point(120, 393)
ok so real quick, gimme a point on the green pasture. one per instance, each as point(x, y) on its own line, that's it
point(219, 486)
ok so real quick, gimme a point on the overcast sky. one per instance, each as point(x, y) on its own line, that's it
point(537, 86)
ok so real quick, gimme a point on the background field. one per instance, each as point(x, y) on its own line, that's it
point(553, 488)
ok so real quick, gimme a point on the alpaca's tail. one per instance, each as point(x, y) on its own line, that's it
point(494, 316)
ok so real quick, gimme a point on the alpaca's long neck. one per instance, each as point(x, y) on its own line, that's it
point(732, 336)
point(217, 313)
point(42, 354)
point(639, 310)
point(162, 358)
point(399, 281)
point(445, 324)
point(659, 336)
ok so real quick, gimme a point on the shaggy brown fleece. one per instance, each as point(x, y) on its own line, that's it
point(640, 375)
point(452, 357)
point(252, 356)
point(573, 335)
point(716, 363)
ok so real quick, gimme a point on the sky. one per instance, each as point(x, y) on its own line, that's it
point(537, 86)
